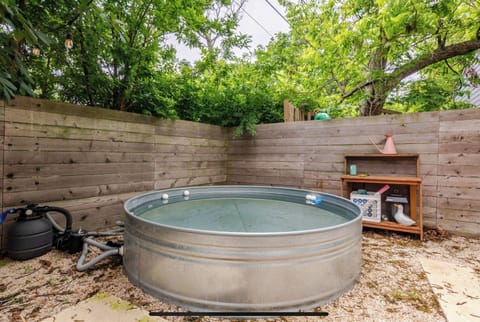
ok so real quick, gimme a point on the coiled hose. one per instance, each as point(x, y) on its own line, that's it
point(108, 251)
point(86, 238)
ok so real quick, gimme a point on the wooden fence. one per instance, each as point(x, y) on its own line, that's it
point(293, 114)
point(311, 155)
point(91, 160)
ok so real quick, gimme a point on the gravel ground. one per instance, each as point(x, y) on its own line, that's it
point(392, 286)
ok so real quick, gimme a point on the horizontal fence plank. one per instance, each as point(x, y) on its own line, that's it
point(179, 128)
point(337, 167)
point(463, 147)
point(459, 215)
point(33, 157)
point(173, 157)
point(187, 182)
point(258, 141)
point(75, 121)
point(50, 169)
point(374, 131)
point(169, 148)
point(280, 157)
point(463, 125)
point(42, 196)
point(71, 181)
point(267, 150)
point(456, 115)
point(14, 143)
point(459, 193)
point(161, 165)
point(459, 204)
point(461, 171)
point(459, 158)
point(265, 164)
point(267, 181)
point(459, 227)
point(189, 173)
point(96, 213)
point(266, 172)
point(48, 131)
point(23, 104)
point(459, 182)
point(189, 141)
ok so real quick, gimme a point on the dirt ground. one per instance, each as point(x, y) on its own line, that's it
point(392, 286)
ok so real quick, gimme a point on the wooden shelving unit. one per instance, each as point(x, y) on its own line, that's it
point(395, 165)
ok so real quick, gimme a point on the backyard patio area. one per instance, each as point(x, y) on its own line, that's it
point(393, 285)
point(140, 184)
point(91, 161)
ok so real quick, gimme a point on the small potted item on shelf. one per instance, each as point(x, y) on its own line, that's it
point(353, 169)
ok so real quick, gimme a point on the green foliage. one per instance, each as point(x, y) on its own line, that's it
point(344, 58)
point(229, 94)
point(214, 32)
point(17, 39)
point(355, 53)
point(156, 96)
point(428, 95)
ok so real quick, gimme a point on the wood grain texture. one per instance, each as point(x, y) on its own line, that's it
point(459, 172)
point(91, 160)
point(447, 143)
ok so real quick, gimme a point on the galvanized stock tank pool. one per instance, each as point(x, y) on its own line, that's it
point(242, 248)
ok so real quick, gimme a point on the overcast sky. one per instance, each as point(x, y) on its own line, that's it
point(267, 23)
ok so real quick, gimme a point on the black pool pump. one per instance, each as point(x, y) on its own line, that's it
point(34, 232)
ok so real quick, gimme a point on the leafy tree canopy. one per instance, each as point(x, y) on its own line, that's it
point(347, 57)
point(354, 53)
point(16, 32)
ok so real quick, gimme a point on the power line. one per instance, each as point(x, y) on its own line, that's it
point(278, 12)
point(255, 20)
point(283, 17)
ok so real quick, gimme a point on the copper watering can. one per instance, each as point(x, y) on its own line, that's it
point(389, 147)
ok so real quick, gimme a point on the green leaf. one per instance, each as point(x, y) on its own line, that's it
point(7, 84)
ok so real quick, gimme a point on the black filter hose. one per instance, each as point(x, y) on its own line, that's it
point(62, 236)
point(63, 211)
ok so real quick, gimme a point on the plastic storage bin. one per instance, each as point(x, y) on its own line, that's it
point(370, 204)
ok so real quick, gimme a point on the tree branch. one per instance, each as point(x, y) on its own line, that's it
point(418, 64)
point(359, 87)
point(436, 56)
point(450, 67)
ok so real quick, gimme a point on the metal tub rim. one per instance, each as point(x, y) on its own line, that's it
point(337, 200)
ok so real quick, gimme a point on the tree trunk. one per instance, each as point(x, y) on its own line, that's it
point(376, 91)
point(373, 104)
point(119, 97)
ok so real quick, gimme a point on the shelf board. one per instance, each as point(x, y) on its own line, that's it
point(382, 179)
point(392, 226)
point(379, 155)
